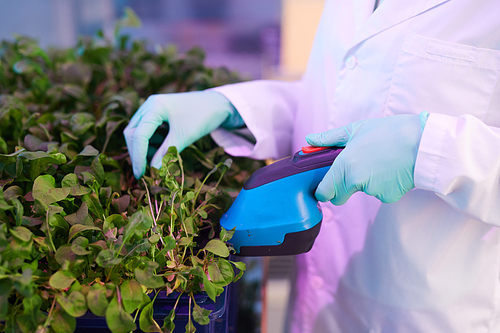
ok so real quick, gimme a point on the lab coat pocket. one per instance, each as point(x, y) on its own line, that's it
point(442, 77)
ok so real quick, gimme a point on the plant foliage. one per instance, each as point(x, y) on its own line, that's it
point(77, 232)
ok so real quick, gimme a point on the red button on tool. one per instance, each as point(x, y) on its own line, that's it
point(312, 149)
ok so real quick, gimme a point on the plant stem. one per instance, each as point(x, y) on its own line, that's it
point(177, 301)
point(156, 207)
point(198, 192)
point(182, 170)
point(149, 202)
point(152, 213)
point(159, 210)
point(135, 316)
point(50, 313)
point(109, 274)
point(223, 172)
point(189, 313)
point(172, 215)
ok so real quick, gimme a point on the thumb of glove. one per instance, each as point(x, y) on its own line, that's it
point(335, 137)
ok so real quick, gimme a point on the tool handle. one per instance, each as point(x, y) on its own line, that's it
point(300, 162)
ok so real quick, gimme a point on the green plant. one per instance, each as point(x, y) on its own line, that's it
point(77, 231)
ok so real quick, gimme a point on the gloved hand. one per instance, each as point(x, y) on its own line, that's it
point(190, 116)
point(378, 158)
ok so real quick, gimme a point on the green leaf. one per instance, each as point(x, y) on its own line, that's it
point(64, 253)
point(160, 258)
point(209, 288)
point(76, 73)
point(139, 223)
point(154, 239)
point(89, 151)
point(146, 321)
point(31, 307)
point(94, 205)
point(106, 258)
point(75, 304)
point(62, 280)
point(202, 213)
point(39, 161)
point(118, 320)
point(10, 158)
point(69, 180)
point(62, 322)
point(45, 191)
point(77, 228)
point(52, 210)
point(226, 235)
point(19, 210)
point(80, 217)
point(121, 204)
point(142, 246)
point(3, 204)
point(96, 300)
point(132, 295)
point(190, 326)
point(23, 283)
point(217, 247)
point(168, 322)
point(201, 315)
point(79, 246)
point(130, 18)
point(20, 250)
point(113, 221)
point(80, 122)
point(241, 266)
point(3, 145)
point(28, 322)
point(170, 243)
point(188, 197)
point(97, 170)
point(148, 279)
point(221, 272)
point(185, 241)
point(14, 169)
point(188, 222)
point(111, 127)
point(5, 290)
point(22, 234)
point(197, 271)
point(12, 192)
point(145, 301)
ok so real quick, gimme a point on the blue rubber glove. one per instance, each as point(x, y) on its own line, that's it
point(378, 159)
point(190, 115)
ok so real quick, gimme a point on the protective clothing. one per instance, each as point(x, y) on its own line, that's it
point(190, 115)
point(379, 158)
point(429, 262)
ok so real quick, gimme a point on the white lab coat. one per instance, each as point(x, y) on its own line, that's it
point(431, 261)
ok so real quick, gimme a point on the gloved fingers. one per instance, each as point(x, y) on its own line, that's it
point(140, 141)
point(335, 187)
point(128, 133)
point(335, 137)
point(148, 105)
point(326, 189)
point(172, 139)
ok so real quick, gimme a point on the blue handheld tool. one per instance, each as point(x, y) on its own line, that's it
point(276, 212)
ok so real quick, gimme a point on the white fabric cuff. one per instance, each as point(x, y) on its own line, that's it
point(429, 151)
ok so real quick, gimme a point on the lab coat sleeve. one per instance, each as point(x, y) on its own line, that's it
point(459, 159)
point(268, 110)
